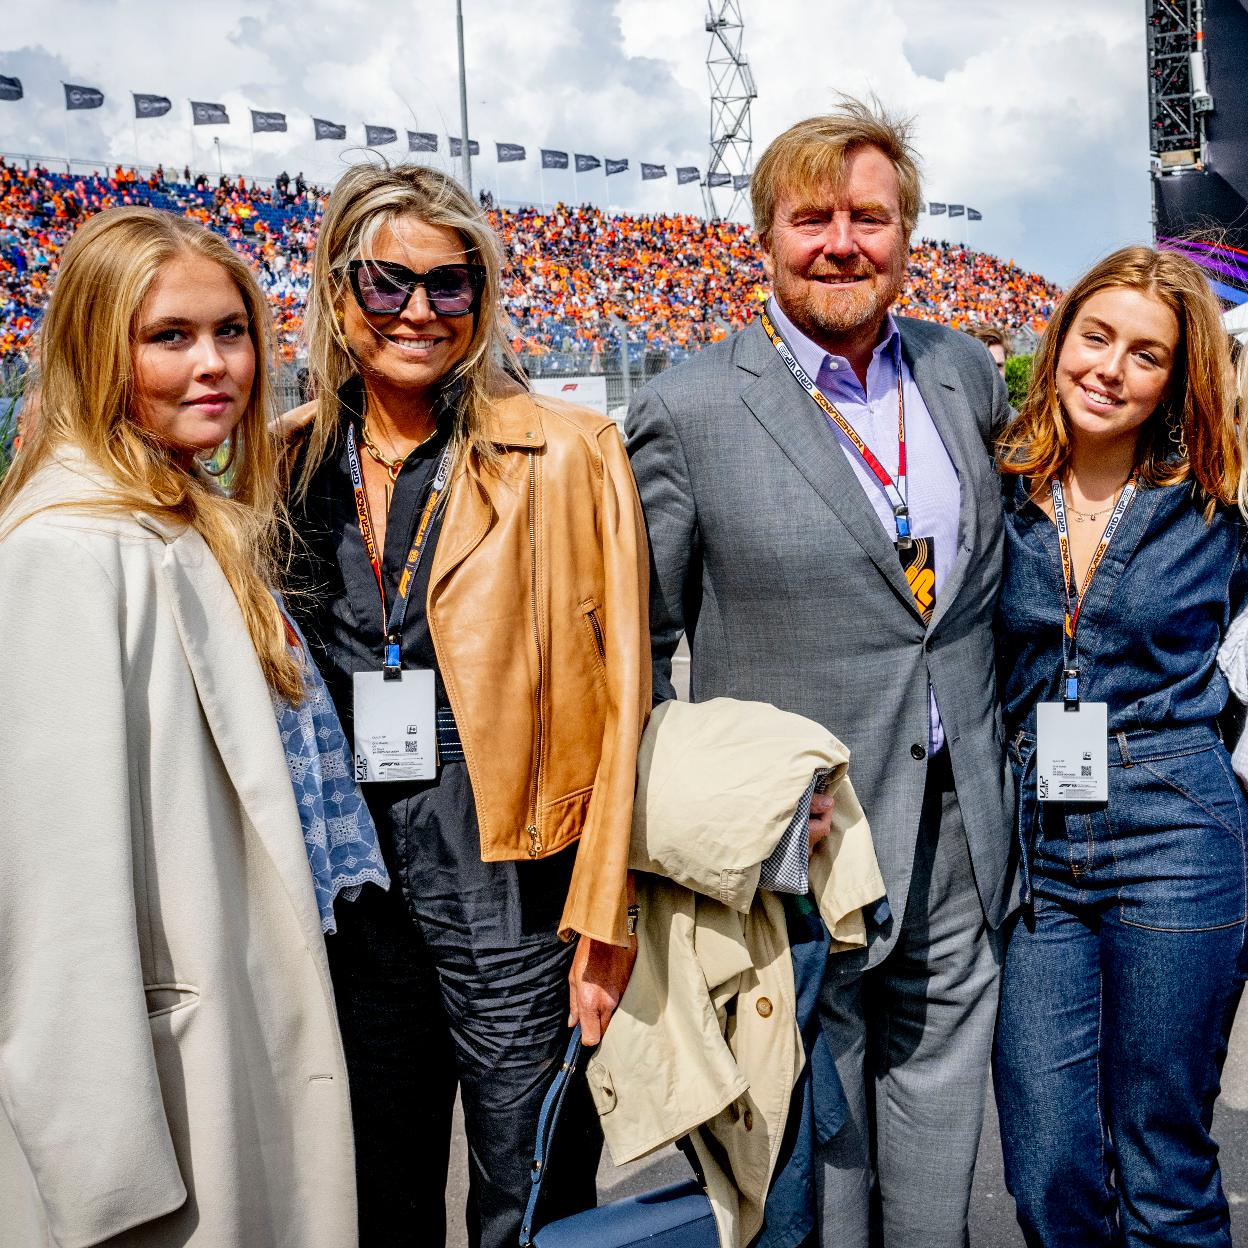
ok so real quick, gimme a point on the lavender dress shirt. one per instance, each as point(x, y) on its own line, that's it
point(933, 492)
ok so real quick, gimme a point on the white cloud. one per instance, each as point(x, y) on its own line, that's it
point(1034, 114)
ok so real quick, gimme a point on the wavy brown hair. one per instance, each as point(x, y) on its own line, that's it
point(813, 153)
point(87, 394)
point(1198, 402)
point(367, 198)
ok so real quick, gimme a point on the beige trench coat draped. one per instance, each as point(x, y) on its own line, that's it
point(705, 1042)
point(170, 1066)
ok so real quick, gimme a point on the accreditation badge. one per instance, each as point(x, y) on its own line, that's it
point(918, 563)
point(1072, 752)
point(396, 736)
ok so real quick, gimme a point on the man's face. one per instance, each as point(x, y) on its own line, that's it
point(837, 257)
point(997, 351)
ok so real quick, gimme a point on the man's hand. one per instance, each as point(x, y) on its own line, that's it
point(596, 983)
point(821, 805)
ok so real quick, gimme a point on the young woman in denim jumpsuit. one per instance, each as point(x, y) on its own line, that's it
point(1120, 972)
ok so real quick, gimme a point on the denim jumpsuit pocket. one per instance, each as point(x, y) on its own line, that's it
point(1177, 819)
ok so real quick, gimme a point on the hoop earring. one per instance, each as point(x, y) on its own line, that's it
point(1178, 435)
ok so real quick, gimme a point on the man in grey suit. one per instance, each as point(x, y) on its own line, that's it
point(825, 527)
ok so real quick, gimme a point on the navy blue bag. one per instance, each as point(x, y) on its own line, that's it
point(671, 1217)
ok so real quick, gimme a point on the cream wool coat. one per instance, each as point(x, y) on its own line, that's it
point(170, 1067)
point(705, 1041)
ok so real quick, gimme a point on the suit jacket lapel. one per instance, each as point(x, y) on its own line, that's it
point(955, 422)
point(239, 711)
point(801, 431)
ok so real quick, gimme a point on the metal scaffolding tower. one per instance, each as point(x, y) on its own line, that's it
point(1178, 97)
point(732, 90)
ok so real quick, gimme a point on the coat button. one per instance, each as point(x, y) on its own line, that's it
point(917, 751)
point(747, 1120)
point(763, 1006)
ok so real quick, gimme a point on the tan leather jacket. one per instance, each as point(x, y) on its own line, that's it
point(537, 607)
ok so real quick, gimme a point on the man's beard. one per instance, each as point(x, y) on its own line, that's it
point(867, 304)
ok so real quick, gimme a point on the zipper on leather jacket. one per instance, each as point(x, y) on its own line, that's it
point(535, 839)
point(592, 616)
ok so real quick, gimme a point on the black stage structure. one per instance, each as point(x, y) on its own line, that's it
point(1198, 114)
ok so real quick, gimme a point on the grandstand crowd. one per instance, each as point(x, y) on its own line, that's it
point(677, 280)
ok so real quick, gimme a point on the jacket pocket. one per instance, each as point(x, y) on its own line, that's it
point(591, 613)
point(169, 998)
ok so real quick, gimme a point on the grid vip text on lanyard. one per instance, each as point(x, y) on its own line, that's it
point(894, 490)
point(1070, 624)
point(398, 611)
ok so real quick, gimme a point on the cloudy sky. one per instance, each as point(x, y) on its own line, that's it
point(1035, 114)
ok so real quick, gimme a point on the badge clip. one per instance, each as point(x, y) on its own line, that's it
point(902, 516)
point(393, 667)
point(1070, 688)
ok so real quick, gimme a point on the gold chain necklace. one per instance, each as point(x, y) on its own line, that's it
point(392, 466)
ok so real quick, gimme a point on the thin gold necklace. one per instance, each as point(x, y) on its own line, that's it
point(1092, 515)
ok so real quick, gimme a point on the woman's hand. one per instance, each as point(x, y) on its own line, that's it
point(297, 418)
point(821, 805)
point(596, 983)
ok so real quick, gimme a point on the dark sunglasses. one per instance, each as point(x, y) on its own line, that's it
point(384, 289)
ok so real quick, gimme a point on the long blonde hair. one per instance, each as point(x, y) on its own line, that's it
point(87, 382)
point(366, 198)
point(1198, 404)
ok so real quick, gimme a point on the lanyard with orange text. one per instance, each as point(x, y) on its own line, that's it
point(1072, 736)
point(398, 610)
point(895, 491)
point(1070, 652)
point(917, 554)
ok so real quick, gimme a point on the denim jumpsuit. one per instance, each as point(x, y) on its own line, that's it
point(1121, 970)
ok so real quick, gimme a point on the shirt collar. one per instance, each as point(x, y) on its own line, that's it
point(811, 356)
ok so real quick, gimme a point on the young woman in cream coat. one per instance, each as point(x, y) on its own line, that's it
point(170, 1067)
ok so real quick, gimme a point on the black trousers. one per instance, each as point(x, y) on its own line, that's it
point(423, 1013)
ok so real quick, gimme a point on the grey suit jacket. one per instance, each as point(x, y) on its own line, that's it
point(767, 553)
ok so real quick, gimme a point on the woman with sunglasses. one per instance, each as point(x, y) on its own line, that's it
point(474, 563)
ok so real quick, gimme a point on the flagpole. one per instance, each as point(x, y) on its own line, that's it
point(465, 150)
point(65, 129)
point(576, 194)
point(541, 181)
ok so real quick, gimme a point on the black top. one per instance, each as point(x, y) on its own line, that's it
point(428, 829)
